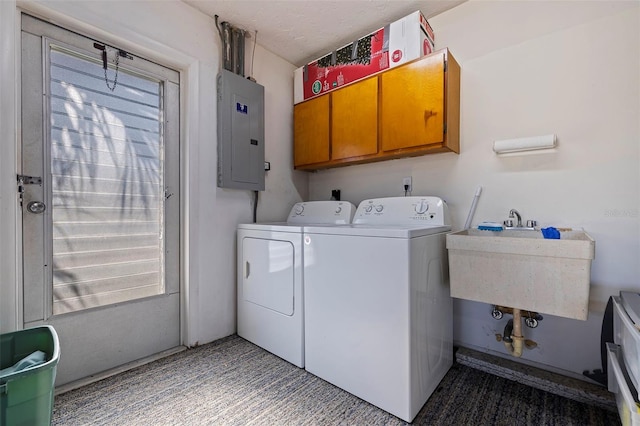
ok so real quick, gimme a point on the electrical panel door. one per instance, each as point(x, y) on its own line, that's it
point(240, 132)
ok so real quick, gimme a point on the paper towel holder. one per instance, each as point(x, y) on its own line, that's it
point(525, 144)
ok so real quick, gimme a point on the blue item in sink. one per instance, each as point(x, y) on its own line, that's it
point(551, 233)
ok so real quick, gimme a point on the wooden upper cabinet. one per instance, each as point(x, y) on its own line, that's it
point(354, 120)
point(410, 110)
point(412, 104)
point(311, 131)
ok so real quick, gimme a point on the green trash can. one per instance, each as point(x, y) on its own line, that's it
point(26, 396)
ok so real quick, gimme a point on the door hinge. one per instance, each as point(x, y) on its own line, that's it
point(445, 128)
point(445, 65)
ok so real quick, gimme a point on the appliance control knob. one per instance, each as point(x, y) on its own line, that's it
point(338, 209)
point(299, 209)
point(379, 208)
point(422, 207)
point(368, 208)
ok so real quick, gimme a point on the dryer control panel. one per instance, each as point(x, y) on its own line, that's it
point(322, 212)
point(426, 210)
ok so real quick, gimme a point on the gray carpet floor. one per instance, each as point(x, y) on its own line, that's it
point(233, 382)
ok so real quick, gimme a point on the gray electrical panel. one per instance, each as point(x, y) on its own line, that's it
point(240, 132)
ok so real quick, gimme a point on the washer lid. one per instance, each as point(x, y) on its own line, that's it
point(385, 231)
point(631, 304)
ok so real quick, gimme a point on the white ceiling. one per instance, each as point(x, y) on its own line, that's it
point(303, 30)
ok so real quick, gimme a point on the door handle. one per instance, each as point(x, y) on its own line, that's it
point(36, 207)
point(247, 269)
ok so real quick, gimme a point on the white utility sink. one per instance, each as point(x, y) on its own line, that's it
point(522, 269)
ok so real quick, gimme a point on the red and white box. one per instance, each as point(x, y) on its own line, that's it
point(401, 41)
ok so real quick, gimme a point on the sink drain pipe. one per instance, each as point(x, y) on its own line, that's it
point(513, 339)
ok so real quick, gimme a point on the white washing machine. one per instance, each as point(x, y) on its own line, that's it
point(270, 279)
point(378, 312)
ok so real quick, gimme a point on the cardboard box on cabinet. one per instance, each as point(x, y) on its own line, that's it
point(401, 41)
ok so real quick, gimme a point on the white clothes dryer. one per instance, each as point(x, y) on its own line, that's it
point(270, 280)
point(378, 311)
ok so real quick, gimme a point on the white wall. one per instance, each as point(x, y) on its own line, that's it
point(177, 35)
point(283, 186)
point(534, 68)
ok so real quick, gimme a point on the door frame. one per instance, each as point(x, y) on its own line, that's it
point(11, 316)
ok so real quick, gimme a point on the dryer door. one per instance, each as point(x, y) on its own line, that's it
point(268, 274)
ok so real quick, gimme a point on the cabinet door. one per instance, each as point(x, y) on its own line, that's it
point(412, 104)
point(354, 120)
point(311, 131)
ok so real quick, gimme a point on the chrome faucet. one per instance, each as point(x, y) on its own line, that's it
point(513, 212)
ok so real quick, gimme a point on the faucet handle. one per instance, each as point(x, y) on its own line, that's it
point(508, 223)
point(532, 224)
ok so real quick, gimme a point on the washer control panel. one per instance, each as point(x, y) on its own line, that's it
point(426, 210)
point(322, 212)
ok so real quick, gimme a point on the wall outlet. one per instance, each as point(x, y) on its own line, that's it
point(406, 184)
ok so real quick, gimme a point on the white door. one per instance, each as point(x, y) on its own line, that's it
point(268, 276)
point(270, 299)
point(100, 200)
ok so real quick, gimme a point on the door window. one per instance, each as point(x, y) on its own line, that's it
point(107, 180)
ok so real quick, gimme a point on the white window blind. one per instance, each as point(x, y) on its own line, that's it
point(107, 184)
